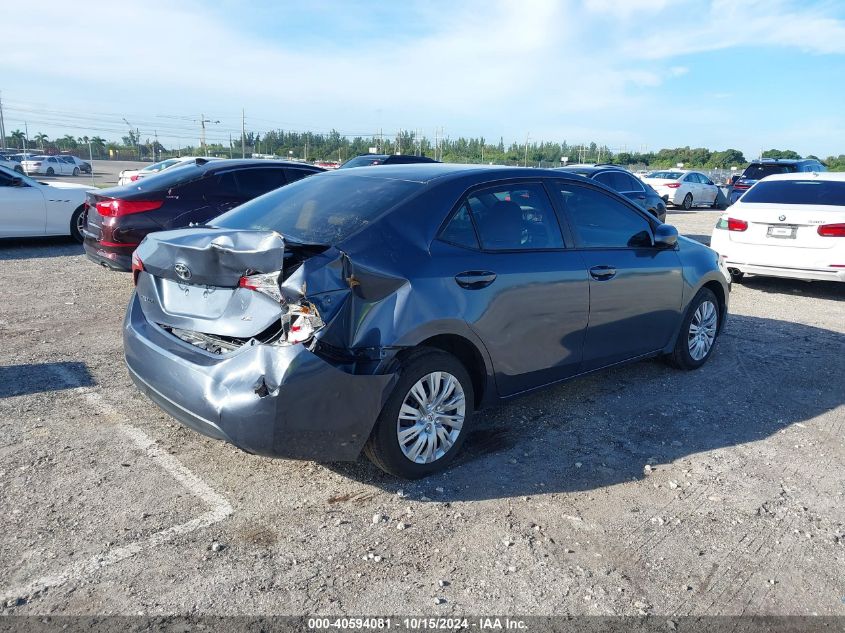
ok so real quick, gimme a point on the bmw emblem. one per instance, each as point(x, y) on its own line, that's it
point(782, 218)
point(182, 271)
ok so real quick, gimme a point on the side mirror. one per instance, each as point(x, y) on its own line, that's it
point(665, 235)
point(710, 182)
point(17, 181)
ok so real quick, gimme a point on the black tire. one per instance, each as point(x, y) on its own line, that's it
point(383, 448)
point(680, 357)
point(687, 203)
point(75, 227)
point(736, 275)
point(50, 171)
point(76, 171)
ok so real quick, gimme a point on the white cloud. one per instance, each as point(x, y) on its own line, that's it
point(556, 69)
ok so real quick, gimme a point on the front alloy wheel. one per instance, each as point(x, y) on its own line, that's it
point(702, 330)
point(698, 332)
point(687, 204)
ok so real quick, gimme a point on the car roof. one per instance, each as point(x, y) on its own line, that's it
point(430, 172)
point(834, 176)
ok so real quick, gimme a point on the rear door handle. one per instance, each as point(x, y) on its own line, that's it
point(603, 273)
point(475, 279)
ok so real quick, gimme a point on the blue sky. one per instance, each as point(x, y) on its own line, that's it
point(632, 74)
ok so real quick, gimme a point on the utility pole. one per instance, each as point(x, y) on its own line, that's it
point(2, 124)
point(203, 121)
point(243, 133)
point(26, 136)
point(230, 145)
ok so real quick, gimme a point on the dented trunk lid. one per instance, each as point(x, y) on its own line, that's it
point(191, 276)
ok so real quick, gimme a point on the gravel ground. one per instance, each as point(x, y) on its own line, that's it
point(637, 490)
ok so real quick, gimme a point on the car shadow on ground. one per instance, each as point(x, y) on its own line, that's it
point(832, 290)
point(38, 247)
point(603, 429)
point(22, 380)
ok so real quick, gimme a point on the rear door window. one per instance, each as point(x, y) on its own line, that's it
point(514, 217)
point(460, 230)
point(601, 221)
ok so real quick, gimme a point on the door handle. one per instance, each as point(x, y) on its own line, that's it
point(475, 279)
point(603, 273)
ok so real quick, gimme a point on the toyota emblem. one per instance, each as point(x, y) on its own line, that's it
point(782, 218)
point(182, 271)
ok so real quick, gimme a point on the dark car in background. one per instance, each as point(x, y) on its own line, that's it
point(623, 181)
point(120, 217)
point(759, 169)
point(367, 160)
point(376, 309)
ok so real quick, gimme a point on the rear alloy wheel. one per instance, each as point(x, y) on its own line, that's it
point(77, 224)
point(50, 171)
point(697, 336)
point(687, 203)
point(423, 423)
point(76, 171)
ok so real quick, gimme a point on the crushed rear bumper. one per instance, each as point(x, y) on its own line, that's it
point(278, 401)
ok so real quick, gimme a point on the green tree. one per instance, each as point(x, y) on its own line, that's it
point(781, 153)
point(40, 138)
point(19, 136)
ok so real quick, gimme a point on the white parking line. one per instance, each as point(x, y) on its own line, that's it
point(220, 507)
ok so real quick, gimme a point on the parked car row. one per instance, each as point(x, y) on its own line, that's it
point(60, 165)
point(310, 314)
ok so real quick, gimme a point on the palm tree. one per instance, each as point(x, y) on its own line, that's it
point(19, 136)
point(40, 138)
point(98, 143)
point(69, 140)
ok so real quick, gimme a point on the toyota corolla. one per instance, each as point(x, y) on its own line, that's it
point(376, 310)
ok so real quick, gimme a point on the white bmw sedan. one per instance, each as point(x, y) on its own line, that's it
point(681, 188)
point(29, 208)
point(787, 225)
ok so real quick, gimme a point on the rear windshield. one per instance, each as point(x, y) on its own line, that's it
point(323, 209)
point(665, 175)
point(758, 172)
point(797, 192)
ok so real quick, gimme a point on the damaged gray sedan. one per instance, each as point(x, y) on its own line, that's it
point(376, 310)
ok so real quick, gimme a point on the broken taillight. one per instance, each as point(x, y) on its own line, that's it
point(265, 283)
point(137, 267)
point(301, 320)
